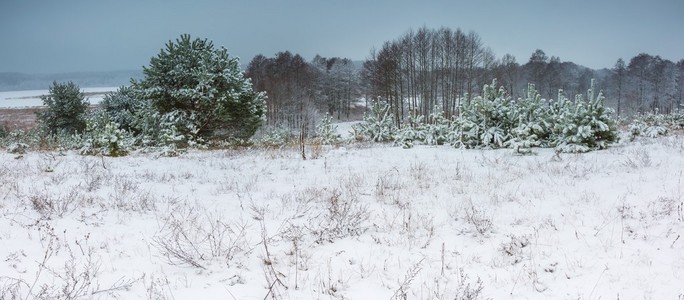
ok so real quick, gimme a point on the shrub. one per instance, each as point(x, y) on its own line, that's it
point(378, 125)
point(327, 132)
point(583, 125)
point(485, 121)
point(655, 124)
point(273, 136)
point(494, 120)
point(17, 148)
point(122, 107)
point(533, 123)
point(104, 137)
point(30, 138)
point(436, 130)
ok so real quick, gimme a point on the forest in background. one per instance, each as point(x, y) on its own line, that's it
point(422, 69)
point(428, 68)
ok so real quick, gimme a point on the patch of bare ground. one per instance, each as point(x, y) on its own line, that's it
point(24, 118)
point(12, 119)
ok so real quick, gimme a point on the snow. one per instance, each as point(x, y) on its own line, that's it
point(345, 128)
point(31, 98)
point(358, 221)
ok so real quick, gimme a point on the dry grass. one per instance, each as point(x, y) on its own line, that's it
point(19, 118)
point(12, 119)
point(431, 223)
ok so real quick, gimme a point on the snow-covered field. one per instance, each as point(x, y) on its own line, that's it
point(16, 99)
point(353, 222)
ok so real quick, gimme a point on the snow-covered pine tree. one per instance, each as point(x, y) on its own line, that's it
point(378, 124)
point(103, 136)
point(193, 78)
point(533, 122)
point(122, 106)
point(485, 121)
point(66, 109)
point(411, 132)
point(437, 128)
point(584, 125)
point(433, 130)
point(655, 124)
point(327, 131)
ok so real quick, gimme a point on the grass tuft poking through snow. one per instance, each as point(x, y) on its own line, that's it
point(361, 222)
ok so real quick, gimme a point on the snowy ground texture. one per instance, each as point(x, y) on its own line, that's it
point(352, 222)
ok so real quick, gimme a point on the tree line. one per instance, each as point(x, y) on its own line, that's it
point(299, 90)
point(428, 69)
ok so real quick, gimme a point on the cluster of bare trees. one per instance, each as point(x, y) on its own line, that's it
point(298, 91)
point(427, 68)
point(647, 84)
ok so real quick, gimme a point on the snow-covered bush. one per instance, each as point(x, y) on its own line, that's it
point(675, 120)
point(17, 148)
point(122, 106)
point(523, 138)
point(583, 125)
point(485, 121)
point(533, 123)
point(655, 124)
point(198, 237)
point(177, 130)
point(434, 130)
point(105, 137)
point(411, 132)
point(338, 215)
point(641, 128)
point(21, 137)
point(437, 128)
point(378, 124)
point(274, 137)
point(327, 132)
point(494, 120)
point(39, 139)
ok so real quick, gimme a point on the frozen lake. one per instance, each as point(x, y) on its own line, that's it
point(31, 98)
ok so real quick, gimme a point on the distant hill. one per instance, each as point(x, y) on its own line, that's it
point(21, 81)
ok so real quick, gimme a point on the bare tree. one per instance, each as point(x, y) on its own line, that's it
point(508, 73)
point(536, 69)
point(427, 68)
point(619, 72)
point(637, 69)
point(679, 85)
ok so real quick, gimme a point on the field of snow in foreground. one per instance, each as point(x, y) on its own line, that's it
point(361, 222)
point(32, 98)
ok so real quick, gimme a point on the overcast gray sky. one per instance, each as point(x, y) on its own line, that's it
point(46, 36)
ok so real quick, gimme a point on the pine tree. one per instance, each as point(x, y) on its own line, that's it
point(122, 106)
point(66, 109)
point(103, 136)
point(193, 78)
point(485, 121)
point(533, 123)
point(585, 124)
point(378, 124)
point(327, 132)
